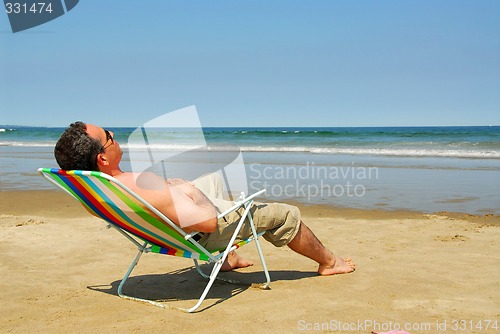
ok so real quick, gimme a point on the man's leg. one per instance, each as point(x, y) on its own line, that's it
point(307, 244)
point(283, 227)
point(212, 186)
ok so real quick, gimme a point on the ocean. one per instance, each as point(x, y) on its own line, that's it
point(427, 169)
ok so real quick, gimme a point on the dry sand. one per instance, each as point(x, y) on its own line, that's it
point(60, 269)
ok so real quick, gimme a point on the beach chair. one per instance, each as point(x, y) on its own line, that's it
point(151, 231)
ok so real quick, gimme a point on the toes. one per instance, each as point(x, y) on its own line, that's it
point(350, 263)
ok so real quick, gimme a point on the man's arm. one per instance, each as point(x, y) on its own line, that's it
point(194, 211)
point(177, 199)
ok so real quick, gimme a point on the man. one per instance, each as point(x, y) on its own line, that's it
point(89, 147)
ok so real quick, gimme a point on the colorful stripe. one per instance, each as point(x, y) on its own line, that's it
point(103, 199)
point(175, 252)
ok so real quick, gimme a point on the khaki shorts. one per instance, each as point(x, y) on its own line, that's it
point(280, 222)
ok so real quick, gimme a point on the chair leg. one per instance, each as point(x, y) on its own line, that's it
point(127, 274)
point(216, 269)
point(263, 286)
point(213, 277)
point(222, 279)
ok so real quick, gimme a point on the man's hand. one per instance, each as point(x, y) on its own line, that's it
point(200, 214)
point(176, 181)
point(185, 186)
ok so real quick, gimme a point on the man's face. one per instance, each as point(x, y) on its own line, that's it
point(111, 148)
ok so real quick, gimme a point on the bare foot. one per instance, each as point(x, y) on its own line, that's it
point(234, 261)
point(341, 266)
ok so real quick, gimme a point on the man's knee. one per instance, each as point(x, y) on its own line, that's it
point(287, 224)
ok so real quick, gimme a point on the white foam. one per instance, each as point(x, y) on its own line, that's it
point(411, 152)
point(393, 152)
point(27, 144)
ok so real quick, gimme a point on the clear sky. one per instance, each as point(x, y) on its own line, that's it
point(257, 63)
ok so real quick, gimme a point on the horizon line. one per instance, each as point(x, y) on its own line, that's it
point(275, 127)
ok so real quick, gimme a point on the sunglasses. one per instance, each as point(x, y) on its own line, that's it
point(109, 137)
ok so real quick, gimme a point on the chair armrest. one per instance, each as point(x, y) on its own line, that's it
point(240, 203)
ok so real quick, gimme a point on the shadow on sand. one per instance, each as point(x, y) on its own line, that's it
point(187, 284)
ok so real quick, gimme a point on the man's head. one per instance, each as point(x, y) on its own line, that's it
point(85, 146)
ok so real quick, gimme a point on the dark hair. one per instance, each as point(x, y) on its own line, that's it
point(75, 149)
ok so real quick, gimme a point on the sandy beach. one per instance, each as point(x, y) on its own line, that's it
point(423, 273)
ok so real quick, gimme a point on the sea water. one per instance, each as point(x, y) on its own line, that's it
point(426, 169)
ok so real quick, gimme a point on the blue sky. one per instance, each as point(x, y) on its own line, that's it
point(257, 63)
